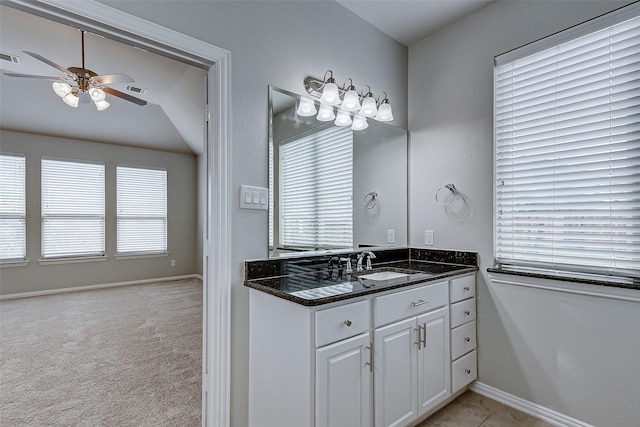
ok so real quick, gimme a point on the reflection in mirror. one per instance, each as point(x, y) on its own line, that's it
point(332, 188)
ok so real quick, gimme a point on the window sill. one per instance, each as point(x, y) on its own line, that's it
point(74, 260)
point(628, 283)
point(17, 263)
point(142, 255)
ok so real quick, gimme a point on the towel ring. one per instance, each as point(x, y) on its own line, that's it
point(370, 200)
point(446, 195)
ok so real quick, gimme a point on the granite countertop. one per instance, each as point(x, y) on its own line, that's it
point(324, 286)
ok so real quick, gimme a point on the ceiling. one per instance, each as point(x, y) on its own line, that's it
point(173, 118)
point(409, 21)
point(171, 121)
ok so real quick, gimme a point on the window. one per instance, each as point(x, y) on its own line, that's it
point(567, 150)
point(142, 210)
point(72, 209)
point(317, 184)
point(12, 208)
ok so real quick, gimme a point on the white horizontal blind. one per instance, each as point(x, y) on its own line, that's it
point(72, 209)
point(317, 185)
point(567, 161)
point(142, 210)
point(12, 208)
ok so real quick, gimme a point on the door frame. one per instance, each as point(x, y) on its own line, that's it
point(120, 26)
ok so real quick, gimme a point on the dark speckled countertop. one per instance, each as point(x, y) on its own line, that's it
point(309, 281)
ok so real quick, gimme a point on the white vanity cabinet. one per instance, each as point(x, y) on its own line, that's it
point(384, 359)
point(411, 355)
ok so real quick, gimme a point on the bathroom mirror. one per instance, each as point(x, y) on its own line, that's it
point(331, 188)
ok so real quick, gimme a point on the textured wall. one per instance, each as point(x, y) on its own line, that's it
point(527, 343)
point(181, 213)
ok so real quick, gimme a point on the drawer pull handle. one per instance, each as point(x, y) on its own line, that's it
point(466, 313)
point(467, 371)
point(419, 303)
point(466, 289)
point(467, 339)
point(347, 322)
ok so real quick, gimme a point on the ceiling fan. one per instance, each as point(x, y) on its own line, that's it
point(81, 85)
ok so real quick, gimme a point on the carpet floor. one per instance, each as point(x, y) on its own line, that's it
point(127, 356)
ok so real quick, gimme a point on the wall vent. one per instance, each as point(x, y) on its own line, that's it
point(9, 57)
point(135, 89)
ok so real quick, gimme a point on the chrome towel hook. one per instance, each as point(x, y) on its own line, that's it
point(370, 200)
point(446, 195)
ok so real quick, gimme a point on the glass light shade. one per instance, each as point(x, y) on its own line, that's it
point(343, 118)
point(306, 107)
point(384, 112)
point(330, 95)
point(101, 105)
point(369, 108)
point(359, 122)
point(71, 99)
point(61, 89)
point(97, 94)
point(351, 101)
point(326, 113)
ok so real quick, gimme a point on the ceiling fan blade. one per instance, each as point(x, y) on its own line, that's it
point(48, 62)
point(108, 79)
point(85, 98)
point(124, 96)
point(32, 76)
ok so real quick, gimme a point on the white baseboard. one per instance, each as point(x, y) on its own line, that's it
point(522, 405)
point(98, 286)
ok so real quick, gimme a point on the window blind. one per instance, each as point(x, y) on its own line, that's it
point(72, 208)
point(12, 208)
point(317, 185)
point(142, 210)
point(567, 155)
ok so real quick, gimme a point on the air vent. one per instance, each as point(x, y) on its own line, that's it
point(9, 57)
point(135, 89)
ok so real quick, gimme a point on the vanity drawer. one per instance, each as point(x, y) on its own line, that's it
point(463, 312)
point(463, 339)
point(462, 288)
point(399, 305)
point(338, 323)
point(463, 371)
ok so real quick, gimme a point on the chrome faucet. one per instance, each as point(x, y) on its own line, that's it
point(369, 256)
point(348, 268)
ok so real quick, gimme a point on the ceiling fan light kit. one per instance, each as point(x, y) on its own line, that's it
point(81, 85)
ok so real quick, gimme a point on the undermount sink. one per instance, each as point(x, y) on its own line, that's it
point(383, 276)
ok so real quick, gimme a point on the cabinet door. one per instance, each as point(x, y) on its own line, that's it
point(343, 383)
point(434, 363)
point(395, 373)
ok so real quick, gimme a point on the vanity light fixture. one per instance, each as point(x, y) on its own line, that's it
point(347, 99)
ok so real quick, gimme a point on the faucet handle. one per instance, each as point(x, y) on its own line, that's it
point(348, 268)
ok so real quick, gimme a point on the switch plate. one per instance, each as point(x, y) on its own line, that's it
point(173, 263)
point(391, 236)
point(428, 237)
point(254, 197)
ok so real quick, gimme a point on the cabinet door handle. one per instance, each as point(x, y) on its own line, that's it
point(467, 339)
point(424, 335)
point(418, 336)
point(347, 323)
point(370, 362)
point(419, 302)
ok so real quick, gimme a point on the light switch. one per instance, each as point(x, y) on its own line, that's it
point(428, 237)
point(391, 236)
point(254, 197)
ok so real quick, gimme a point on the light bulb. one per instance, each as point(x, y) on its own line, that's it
point(306, 107)
point(97, 94)
point(101, 105)
point(351, 100)
point(384, 112)
point(326, 113)
point(359, 122)
point(61, 89)
point(343, 118)
point(369, 107)
point(330, 95)
point(71, 99)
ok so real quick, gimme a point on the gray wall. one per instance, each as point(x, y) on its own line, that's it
point(181, 212)
point(277, 43)
point(574, 354)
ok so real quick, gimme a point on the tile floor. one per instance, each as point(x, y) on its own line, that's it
point(473, 410)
